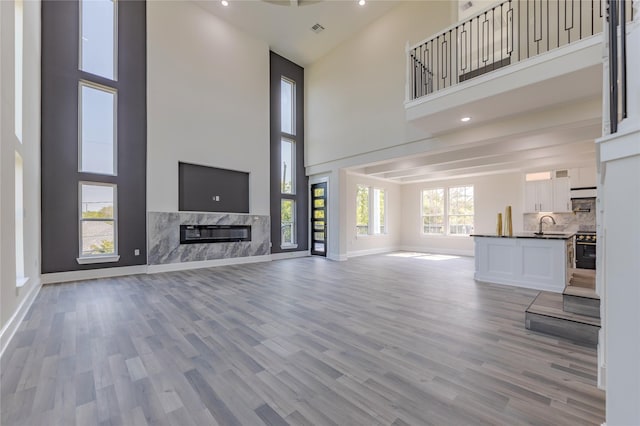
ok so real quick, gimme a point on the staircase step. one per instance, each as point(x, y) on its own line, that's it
point(546, 315)
point(582, 278)
point(581, 305)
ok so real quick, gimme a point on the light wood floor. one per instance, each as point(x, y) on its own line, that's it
point(374, 340)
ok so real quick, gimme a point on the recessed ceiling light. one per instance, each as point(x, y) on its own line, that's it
point(465, 119)
point(362, 2)
point(225, 3)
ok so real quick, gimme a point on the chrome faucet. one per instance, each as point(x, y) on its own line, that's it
point(541, 220)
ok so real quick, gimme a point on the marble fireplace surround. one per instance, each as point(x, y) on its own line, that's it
point(164, 238)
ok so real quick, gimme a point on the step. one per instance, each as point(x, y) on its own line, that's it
point(582, 278)
point(546, 315)
point(580, 300)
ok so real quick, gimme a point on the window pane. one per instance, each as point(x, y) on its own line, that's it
point(97, 134)
point(318, 192)
point(433, 211)
point(362, 210)
point(97, 201)
point(461, 210)
point(287, 222)
point(287, 166)
point(97, 205)
point(19, 216)
point(287, 103)
point(379, 211)
point(433, 201)
point(98, 237)
point(98, 37)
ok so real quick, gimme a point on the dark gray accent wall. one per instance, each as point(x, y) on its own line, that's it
point(280, 67)
point(211, 189)
point(60, 176)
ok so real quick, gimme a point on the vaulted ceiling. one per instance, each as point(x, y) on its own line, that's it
point(286, 24)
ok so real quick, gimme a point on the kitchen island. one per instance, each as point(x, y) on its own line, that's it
point(539, 262)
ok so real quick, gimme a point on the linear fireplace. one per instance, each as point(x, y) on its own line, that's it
point(198, 234)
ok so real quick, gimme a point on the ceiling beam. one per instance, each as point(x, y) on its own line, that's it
point(499, 146)
point(514, 158)
point(489, 169)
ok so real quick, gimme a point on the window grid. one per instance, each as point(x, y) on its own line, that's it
point(89, 58)
point(98, 219)
point(287, 166)
point(371, 203)
point(86, 120)
point(362, 210)
point(97, 131)
point(288, 139)
point(19, 217)
point(448, 212)
point(288, 222)
point(433, 211)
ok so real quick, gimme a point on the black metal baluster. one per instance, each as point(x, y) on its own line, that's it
point(528, 29)
point(548, 46)
point(613, 65)
point(623, 58)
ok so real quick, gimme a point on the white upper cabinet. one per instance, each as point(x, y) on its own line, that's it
point(561, 195)
point(583, 177)
point(547, 192)
point(538, 196)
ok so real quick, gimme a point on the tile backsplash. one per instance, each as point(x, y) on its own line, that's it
point(565, 222)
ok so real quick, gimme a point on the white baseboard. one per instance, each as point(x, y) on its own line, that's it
point(290, 255)
point(437, 250)
point(337, 258)
point(368, 252)
point(10, 328)
point(89, 274)
point(184, 266)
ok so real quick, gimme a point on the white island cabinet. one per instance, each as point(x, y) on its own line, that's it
point(524, 260)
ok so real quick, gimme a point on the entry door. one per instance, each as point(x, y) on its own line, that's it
point(319, 219)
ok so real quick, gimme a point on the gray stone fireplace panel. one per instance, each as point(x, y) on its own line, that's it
point(164, 237)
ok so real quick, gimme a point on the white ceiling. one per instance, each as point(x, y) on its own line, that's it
point(286, 25)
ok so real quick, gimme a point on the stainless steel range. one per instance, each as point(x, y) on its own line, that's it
point(586, 250)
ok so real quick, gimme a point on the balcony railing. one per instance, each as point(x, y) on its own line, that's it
point(616, 16)
point(499, 36)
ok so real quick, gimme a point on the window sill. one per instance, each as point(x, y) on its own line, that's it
point(97, 259)
point(288, 246)
point(445, 235)
point(20, 282)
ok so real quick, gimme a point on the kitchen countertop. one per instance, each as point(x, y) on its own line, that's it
point(545, 236)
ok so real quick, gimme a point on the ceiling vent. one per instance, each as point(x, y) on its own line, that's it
point(466, 5)
point(317, 28)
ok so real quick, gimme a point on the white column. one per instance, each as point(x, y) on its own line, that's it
point(619, 238)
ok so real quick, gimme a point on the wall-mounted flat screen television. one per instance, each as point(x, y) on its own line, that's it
point(211, 189)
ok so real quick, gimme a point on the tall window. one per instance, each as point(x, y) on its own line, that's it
point(97, 129)
point(370, 210)
point(97, 145)
point(98, 37)
point(97, 219)
point(433, 211)
point(448, 211)
point(287, 164)
point(461, 210)
point(362, 210)
point(289, 204)
point(288, 220)
point(19, 220)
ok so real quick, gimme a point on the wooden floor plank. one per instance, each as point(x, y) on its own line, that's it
point(384, 339)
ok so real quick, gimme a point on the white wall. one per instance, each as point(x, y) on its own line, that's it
point(355, 94)
point(491, 195)
point(360, 245)
point(13, 298)
point(208, 101)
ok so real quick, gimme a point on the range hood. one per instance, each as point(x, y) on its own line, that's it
point(585, 192)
